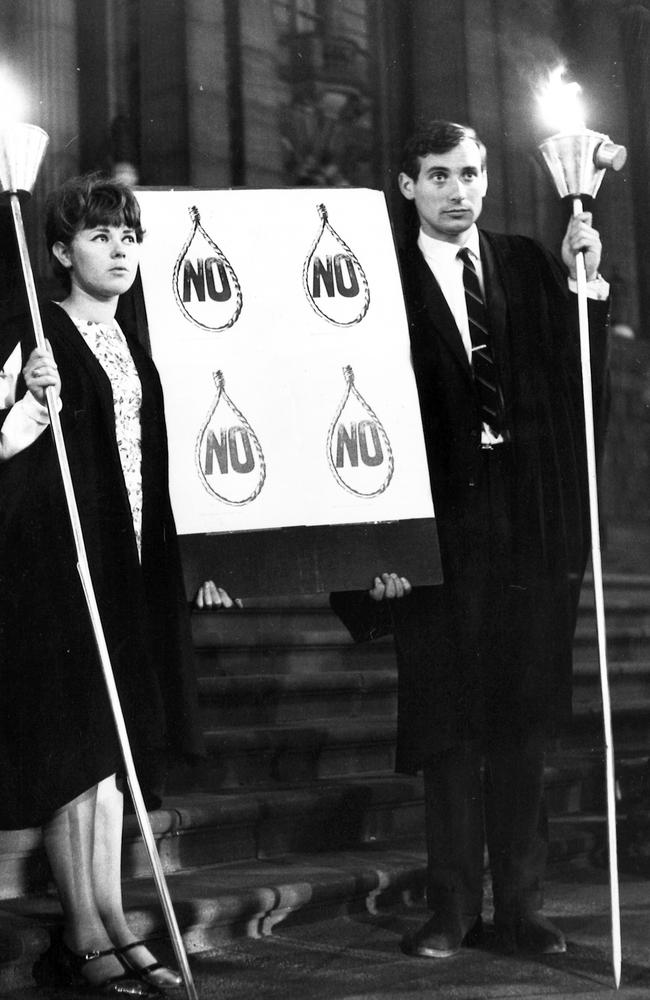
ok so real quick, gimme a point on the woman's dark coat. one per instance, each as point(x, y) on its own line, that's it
point(442, 685)
point(57, 736)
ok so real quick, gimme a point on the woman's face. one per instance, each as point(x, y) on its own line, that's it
point(102, 261)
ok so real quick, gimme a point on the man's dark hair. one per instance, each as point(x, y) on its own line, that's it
point(83, 203)
point(436, 137)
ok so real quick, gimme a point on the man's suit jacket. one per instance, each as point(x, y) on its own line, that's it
point(533, 318)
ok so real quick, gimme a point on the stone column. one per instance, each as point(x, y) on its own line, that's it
point(261, 94)
point(230, 94)
point(164, 121)
point(210, 94)
point(208, 112)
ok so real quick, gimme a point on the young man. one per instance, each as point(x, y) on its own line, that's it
point(485, 658)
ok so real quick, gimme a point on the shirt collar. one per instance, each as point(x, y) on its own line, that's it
point(439, 251)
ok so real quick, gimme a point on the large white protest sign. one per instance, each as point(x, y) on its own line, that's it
point(277, 323)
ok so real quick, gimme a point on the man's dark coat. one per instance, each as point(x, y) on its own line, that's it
point(443, 682)
point(57, 736)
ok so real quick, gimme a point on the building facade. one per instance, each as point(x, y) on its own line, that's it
point(268, 93)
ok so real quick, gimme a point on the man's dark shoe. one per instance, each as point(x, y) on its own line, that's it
point(530, 932)
point(443, 936)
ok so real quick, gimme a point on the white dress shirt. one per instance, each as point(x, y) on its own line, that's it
point(447, 269)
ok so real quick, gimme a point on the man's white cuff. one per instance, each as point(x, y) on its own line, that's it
point(597, 288)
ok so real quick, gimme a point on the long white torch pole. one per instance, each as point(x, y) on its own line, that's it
point(585, 354)
point(100, 640)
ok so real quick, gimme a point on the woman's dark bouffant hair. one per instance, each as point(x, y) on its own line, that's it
point(83, 203)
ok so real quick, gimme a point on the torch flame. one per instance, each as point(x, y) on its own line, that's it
point(22, 146)
point(560, 103)
point(12, 105)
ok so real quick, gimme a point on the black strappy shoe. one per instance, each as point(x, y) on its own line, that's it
point(59, 966)
point(166, 979)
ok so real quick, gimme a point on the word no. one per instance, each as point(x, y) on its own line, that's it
point(331, 272)
point(202, 278)
point(354, 443)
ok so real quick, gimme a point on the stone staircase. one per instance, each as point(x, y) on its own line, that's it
point(296, 812)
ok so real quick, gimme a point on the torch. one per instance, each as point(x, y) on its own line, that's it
point(22, 148)
point(577, 159)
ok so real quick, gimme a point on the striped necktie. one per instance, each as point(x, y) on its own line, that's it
point(485, 372)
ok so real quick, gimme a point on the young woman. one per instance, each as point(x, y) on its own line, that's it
point(60, 765)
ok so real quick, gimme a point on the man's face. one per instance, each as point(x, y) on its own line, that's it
point(448, 191)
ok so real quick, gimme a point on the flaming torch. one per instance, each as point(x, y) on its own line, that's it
point(577, 159)
point(22, 149)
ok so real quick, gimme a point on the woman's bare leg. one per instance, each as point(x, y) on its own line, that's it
point(107, 878)
point(69, 838)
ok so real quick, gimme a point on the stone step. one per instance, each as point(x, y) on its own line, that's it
point(308, 619)
point(618, 583)
point(630, 701)
point(263, 623)
point(258, 699)
point(308, 749)
point(628, 688)
point(269, 637)
point(626, 606)
point(310, 657)
point(197, 828)
point(219, 903)
point(278, 699)
point(623, 673)
point(251, 756)
point(323, 815)
point(624, 642)
point(214, 905)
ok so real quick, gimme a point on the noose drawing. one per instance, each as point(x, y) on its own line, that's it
point(358, 449)
point(334, 281)
point(228, 454)
point(206, 288)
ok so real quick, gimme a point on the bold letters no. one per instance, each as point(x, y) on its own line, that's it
point(204, 275)
point(331, 272)
point(354, 443)
point(228, 446)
